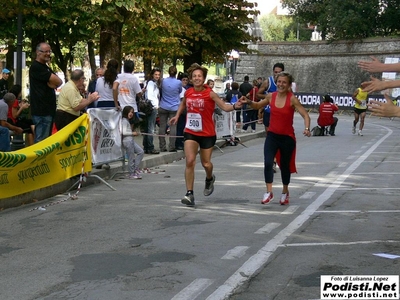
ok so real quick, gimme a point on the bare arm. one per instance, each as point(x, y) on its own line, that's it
point(181, 108)
point(382, 109)
point(115, 94)
point(224, 105)
point(302, 111)
point(85, 102)
point(257, 105)
point(376, 85)
point(261, 91)
point(11, 127)
point(376, 66)
point(54, 81)
point(17, 111)
point(355, 95)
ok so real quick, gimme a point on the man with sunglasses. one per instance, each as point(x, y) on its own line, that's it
point(43, 82)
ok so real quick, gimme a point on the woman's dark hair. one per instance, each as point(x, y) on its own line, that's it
point(150, 77)
point(16, 89)
point(112, 72)
point(172, 71)
point(126, 111)
point(182, 75)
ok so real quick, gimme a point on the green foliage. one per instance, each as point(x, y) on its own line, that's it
point(162, 30)
point(283, 28)
point(273, 28)
point(348, 19)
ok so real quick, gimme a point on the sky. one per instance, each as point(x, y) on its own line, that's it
point(265, 6)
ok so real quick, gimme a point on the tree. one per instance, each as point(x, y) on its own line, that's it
point(163, 30)
point(61, 23)
point(221, 25)
point(348, 19)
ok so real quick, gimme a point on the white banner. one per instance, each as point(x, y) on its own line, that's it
point(225, 123)
point(105, 135)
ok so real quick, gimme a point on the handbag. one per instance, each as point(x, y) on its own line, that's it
point(145, 105)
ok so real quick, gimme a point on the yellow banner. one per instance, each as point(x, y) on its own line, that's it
point(48, 162)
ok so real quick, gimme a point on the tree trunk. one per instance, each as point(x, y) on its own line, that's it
point(60, 59)
point(92, 58)
point(147, 66)
point(195, 57)
point(110, 42)
point(10, 61)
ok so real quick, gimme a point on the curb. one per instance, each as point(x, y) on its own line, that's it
point(149, 161)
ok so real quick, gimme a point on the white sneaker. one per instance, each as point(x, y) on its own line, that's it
point(268, 197)
point(360, 133)
point(353, 130)
point(253, 131)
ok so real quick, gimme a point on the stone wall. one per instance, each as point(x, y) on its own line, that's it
point(317, 67)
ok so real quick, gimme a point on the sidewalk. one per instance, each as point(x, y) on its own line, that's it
point(149, 161)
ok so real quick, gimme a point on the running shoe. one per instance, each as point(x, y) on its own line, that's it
point(188, 199)
point(209, 188)
point(360, 133)
point(353, 130)
point(135, 176)
point(284, 199)
point(268, 197)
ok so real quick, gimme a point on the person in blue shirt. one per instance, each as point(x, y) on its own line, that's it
point(269, 86)
point(171, 89)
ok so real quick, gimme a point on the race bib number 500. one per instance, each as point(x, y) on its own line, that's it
point(194, 122)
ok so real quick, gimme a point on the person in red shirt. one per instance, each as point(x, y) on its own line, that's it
point(251, 115)
point(19, 115)
point(199, 102)
point(326, 118)
point(280, 140)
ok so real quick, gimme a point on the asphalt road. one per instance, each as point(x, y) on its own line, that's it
point(140, 242)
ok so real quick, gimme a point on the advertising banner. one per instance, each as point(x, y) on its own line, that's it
point(106, 135)
point(224, 123)
point(343, 101)
point(53, 160)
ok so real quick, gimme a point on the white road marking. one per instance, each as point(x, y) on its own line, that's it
point(258, 260)
point(236, 252)
point(290, 210)
point(342, 165)
point(194, 289)
point(267, 228)
point(357, 211)
point(307, 195)
point(377, 173)
point(337, 243)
